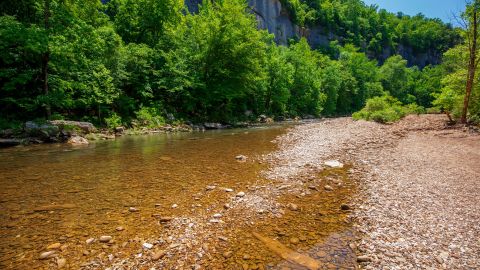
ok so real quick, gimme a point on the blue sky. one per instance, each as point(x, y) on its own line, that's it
point(431, 8)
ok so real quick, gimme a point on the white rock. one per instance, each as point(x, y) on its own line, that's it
point(217, 215)
point(229, 190)
point(90, 240)
point(333, 164)
point(240, 194)
point(147, 245)
point(174, 205)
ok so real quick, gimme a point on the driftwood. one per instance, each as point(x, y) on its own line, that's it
point(288, 254)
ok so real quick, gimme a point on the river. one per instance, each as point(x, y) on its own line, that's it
point(164, 190)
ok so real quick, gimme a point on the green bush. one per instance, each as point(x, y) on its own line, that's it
point(149, 117)
point(385, 109)
point(113, 121)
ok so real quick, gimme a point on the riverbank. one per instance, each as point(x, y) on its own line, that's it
point(418, 181)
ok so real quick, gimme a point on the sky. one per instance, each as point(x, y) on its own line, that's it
point(431, 8)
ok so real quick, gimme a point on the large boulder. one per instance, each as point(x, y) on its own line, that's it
point(44, 131)
point(85, 127)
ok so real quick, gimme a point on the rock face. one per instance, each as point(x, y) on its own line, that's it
point(274, 18)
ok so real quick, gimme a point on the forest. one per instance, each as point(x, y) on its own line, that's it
point(147, 62)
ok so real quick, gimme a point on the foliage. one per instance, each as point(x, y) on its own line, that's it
point(149, 117)
point(385, 109)
point(133, 62)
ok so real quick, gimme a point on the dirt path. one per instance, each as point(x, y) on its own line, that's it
point(420, 184)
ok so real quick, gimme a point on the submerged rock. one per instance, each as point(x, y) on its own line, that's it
point(241, 158)
point(77, 140)
point(47, 255)
point(105, 238)
point(61, 263)
point(54, 246)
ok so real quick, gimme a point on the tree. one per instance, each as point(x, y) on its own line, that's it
point(471, 20)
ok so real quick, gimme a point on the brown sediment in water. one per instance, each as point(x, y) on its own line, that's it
point(64, 194)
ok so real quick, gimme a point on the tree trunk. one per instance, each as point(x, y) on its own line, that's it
point(471, 68)
point(45, 60)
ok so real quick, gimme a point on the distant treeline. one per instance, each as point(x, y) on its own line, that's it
point(133, 62)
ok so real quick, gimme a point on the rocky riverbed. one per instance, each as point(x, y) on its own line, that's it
point(332, 194)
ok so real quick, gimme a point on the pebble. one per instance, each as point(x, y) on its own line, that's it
point(240, 194)
point(158, 255)
point(226, 206)
point(174, 205)
point(105, 238)
point(120, 228)
point(147, 245)
point(229, 190)
point(227, 254)
point(363, 259)
point(241, 158)
point(210, 188)
point(218, 215)
point(86, 253)
point(223, 238)
point(90, 240)
point(61, 263)
point(328, 188)
point(345, 207)
point(47, 255)
point(165, 219)
point(294, 240)
point(292, 206)
point(133, 209)
point(54, 246)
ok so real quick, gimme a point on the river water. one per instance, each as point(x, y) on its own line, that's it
point(64, 194)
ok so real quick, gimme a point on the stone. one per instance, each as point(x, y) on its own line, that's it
point(54, 246)
point(333, 164)
point(133, 209)
point(147, 245)
point(77, 140)
point(218, 215)
point(90, 241)
point(208, 188)
point(105, 238)
point(165, 219)
point(226, 206)
point(241, 158)
point(345, 207)
point(292, 207)
point(328, 188)
point(228, 190)
point(47, 254)
point(61, 263)
point(363, 258)
point(158, 255)
point(120, 228)
point(294, 240)
point(240, 194)
point(227, 254)
point(223, 238)
point(119, 129)
point(174, 205)
point(86, 127)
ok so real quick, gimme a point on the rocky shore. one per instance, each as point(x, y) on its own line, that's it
point(418, 202)
point(81, 133)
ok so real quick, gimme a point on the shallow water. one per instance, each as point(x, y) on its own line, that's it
point(65, 194)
